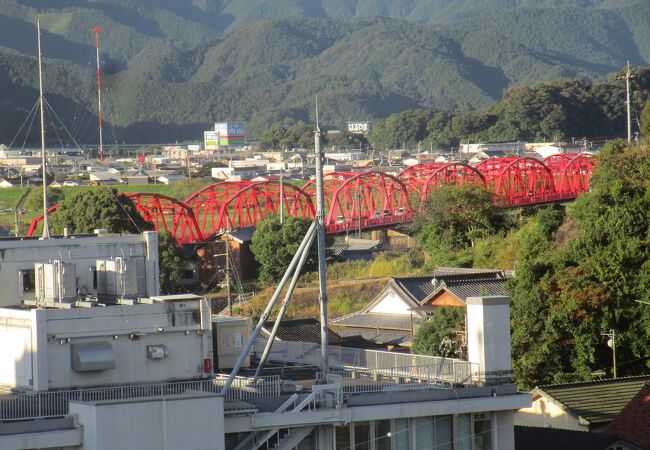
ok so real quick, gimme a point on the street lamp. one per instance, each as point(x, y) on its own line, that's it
point(611, 342)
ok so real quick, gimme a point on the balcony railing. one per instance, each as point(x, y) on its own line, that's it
point(33, 405)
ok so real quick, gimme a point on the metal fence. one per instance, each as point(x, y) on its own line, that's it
point(416, 367)
point(416, 378)
point(32, 405)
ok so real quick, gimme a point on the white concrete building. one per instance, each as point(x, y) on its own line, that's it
point(94, 358)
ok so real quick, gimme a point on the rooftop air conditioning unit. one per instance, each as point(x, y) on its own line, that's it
point(117, 278)
point(56, 282)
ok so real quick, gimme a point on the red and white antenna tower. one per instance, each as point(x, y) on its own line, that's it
point(98, 30)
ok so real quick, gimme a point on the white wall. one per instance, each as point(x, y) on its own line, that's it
point(391, 304)
point(16, 345)
point(185, 331)
point(503, 430)
point(488, 334)
point(545, 414)
point(190, 421)
point(21, 254)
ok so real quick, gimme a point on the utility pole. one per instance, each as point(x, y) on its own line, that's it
point(627, 76)
point(320, 236)
point(226, 253)
point(281, 200)
point(611, 342)
point(228, 274)
point(46, 226)
point(98, 30)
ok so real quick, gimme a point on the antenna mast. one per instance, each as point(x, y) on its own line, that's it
point(46, 227)
point(320, 236)
point(98, 30)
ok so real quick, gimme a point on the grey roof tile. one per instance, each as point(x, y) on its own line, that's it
point(302, 330)
point(374, 320)
point(595, 401)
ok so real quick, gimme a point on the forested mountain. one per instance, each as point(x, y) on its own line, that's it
point(174, 66)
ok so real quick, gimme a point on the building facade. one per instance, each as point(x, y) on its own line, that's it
point(97, 359)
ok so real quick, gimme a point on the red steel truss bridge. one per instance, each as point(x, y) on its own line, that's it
point(366, 200)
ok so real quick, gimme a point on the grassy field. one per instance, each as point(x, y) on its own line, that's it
point(10, 197)
point(344, 297)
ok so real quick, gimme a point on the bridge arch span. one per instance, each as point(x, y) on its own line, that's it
point(451, 174)
point(369, 199)
point(256, 201)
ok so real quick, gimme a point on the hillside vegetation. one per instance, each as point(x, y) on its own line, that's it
point(175, 66)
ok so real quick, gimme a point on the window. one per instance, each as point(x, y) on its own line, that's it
point(464, 425)
point(482, 432)
point(443, 433)
point(434, 433)
point(343, 437)
point(382, 435)
point(28, 280)
point(362, 436)
point(401, 434)
point(423, 432)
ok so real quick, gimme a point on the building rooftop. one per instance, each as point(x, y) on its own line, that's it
point(595, 402)
point(304, 330)
point(632, 422)
point(467, 285)
point(417, 288)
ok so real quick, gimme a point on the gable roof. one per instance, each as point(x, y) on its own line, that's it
point(632, 422)
point(401, 287)
point(593, 402)
point(537, 438)
point(469, 283)
point(417, 288)
point(301, 330)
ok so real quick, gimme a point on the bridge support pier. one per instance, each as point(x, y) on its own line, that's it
point(381, 235)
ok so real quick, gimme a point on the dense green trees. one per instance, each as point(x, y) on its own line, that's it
point(578, 271)
point(99, 207)
point(170, 257)
point(34, 199)
point(439, 336)
point(543, 111)
point(274, 245)
point(583, 279)
point(645, 120)
point(171, 76)
point(281, 138)
point(453, 220)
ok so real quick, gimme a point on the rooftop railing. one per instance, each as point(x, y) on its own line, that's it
point(421, 368)
point(34, 405)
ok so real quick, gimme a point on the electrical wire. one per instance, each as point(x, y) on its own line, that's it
point(23, 124)
point(28, 130)
point(63, 125)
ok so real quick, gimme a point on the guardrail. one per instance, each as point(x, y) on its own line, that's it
point(34, 405)
point(420, 367)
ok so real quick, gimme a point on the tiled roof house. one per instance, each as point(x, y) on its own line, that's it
point(585, 406)
point(633, 423)
point(395, 312)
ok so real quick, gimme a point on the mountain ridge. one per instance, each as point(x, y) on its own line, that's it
point(180, 78)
